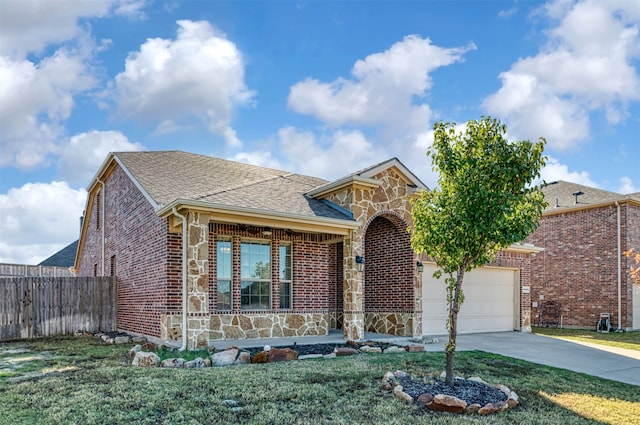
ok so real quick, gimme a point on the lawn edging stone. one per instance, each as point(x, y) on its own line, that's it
point(392, 381)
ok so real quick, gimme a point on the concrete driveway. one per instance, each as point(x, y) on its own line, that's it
point(605, 362)
point(597, 360)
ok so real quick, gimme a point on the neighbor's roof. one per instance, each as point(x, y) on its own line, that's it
point(66, 257)
point(167, 176)
point(560, 196)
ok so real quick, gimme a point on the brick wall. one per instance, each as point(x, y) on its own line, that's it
point(522, 262)
point(578, 268)
point(389, 268)
point(311, 261)
point(138, 239)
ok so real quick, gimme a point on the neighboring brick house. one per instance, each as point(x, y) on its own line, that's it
point(583, 271)
point(238, 220)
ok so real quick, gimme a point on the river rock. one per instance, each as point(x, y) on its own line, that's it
point(196, 363)
point(282, 355)
point(243, 358)
point(172, 362)
point(397, 391)
point(424, 399)
point(487, 409)
point(261, 357)
point(224, 358)
point(472, 408)
point(145, 359)
point(136, 348)
point(345, 351)
point(447, 403)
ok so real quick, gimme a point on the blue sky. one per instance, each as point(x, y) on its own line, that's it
point(316, 87)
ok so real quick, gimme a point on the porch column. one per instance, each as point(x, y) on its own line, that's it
point(197, 280)
point(353, 322)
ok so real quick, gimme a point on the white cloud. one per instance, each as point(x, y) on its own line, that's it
point(199, 75)
point(586, 66)
point(554, 171)
point(35, 100)
point(30, 26)
point(262, 158)
point(339, 154)
point(627, 186)
point(85, 152)
point(37, 96)
point(38, 219)
point(386, 89)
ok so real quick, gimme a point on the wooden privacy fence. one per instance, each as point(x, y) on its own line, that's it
point(48, 306)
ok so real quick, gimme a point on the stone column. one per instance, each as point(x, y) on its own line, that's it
point(353, 323)
point(197, 279)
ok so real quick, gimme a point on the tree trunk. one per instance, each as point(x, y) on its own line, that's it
point(454, 308)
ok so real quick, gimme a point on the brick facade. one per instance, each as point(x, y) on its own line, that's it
point(138, 239)
point(327, 290)
point(579, 267)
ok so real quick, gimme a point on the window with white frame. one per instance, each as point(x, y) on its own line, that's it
point(223, 270)
point(255, 275)
point(286, 291)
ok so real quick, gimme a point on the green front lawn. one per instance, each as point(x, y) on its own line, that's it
point(91, 383)
point(629, 340)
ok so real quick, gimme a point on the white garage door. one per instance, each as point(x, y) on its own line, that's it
point(490, 303)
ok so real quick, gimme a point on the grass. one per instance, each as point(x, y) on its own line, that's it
point(628, 340)
point(101, 388)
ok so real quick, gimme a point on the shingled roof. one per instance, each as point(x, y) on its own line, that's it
point(63, 258)
point(167, 176)
point(560, 196)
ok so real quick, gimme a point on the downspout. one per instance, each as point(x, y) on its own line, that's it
point(103, 199)
point(619, 273)
point(184, 277)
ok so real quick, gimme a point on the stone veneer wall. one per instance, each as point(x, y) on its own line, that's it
point(204, 329)
point(390, 199)
point(400, 324)
point(312, 272)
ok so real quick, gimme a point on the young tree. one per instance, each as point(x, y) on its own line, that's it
point(484, 202)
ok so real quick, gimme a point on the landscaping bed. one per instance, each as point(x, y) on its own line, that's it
point(104, 389)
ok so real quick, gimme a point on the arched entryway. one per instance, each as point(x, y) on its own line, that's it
point(390, 282)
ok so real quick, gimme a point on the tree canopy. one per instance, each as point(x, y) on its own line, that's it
point(485, 201)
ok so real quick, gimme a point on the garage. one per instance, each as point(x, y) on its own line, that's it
point(490, 305)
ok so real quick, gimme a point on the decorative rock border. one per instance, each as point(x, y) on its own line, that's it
point(448, 403)
point(144, 355)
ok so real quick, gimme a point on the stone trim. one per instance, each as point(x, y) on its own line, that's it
point(204, 328)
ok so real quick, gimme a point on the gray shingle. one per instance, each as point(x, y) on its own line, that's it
point(559, 196)
point(170, 175)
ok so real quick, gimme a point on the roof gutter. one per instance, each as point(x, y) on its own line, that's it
point(167, 210)
point(175, 212)
point(525, 248)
